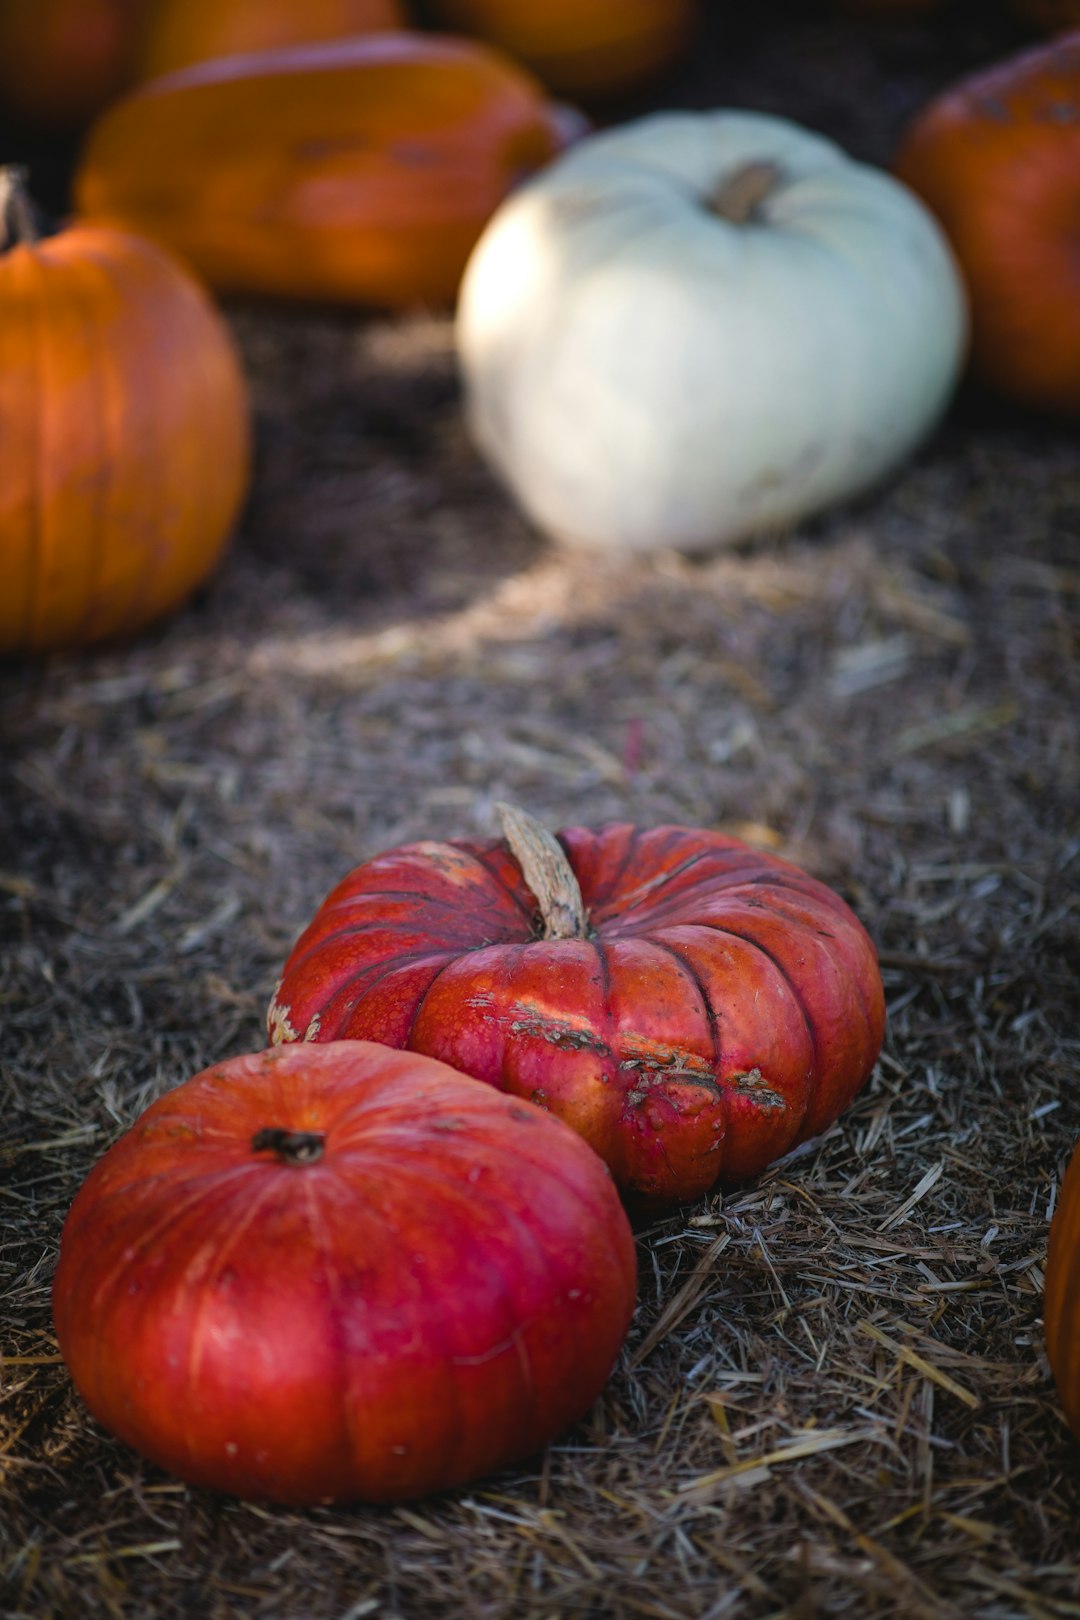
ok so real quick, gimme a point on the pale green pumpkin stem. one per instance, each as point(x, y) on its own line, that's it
point(17, 223)
point(741, 194)
point(547, 873)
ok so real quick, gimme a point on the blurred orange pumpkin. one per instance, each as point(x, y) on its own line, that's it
point(180, 32)
point(581, 48)
point(362, 170)
point(61, 61)
point(997, 158)
point(123, 432)
point(1049, 14)
point(1061, 1298)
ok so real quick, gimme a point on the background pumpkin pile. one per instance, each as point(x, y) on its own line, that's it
point(251, 1248)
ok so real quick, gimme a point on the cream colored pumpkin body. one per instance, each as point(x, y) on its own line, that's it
point(645, 373)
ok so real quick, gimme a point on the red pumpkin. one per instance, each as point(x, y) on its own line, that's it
point(1061, 1296)
point(694, 1008)
point(997, 158)
point(124, 434)
point(180, 32)
point(340, 1272)
point(582, 48)
point(362, 170)
point(61, 61)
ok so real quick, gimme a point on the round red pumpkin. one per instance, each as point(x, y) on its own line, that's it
point(997, 159)
point(1061, 1295)
point(124, 432)
point(341, 1272)
point(707, 1008)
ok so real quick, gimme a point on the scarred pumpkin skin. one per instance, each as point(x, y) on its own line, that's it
point(722, 1007)
point(124, 437)
point(180, 32)
point(592, 49)
point(997, 159)
point(1061, 1294)
point(342, 1273)
point(358, 171)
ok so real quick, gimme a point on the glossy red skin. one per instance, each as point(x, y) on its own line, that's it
point(1061, 1296)
point(439, 1296)
point(997, 159)
point(724, 1007)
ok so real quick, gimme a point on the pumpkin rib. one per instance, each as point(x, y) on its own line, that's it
point(712, 1019)
point(104, 418)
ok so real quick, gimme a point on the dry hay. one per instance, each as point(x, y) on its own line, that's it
point(834, 1398)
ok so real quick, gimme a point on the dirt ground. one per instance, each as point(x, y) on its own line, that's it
point(835, 1398)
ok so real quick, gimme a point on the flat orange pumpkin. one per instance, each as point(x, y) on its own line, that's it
point(361, 171)
point(123, 433)
point(181, 32)
point(997, 159)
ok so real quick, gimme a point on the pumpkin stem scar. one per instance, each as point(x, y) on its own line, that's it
point(290, 1147)
point(17, 223)
point(740, 195)
point(547, 873)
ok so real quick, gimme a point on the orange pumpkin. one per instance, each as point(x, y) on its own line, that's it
point(180, 32)
point(359, 171)
point(1049, 14)
point(123, 433)
point(581, 48)
point(1061, 1296)
point(997, 158)
point(61, 61)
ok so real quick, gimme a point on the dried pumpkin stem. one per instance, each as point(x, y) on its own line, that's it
point(289, 1147)
point(547, 873)
point(740, 194)
point(17, 223)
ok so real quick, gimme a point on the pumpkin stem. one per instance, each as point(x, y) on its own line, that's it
point(740, 195)
point(547, 873)
point(17, 223)
point(290, 1147)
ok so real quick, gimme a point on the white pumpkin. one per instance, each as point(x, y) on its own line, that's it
point(697, 326)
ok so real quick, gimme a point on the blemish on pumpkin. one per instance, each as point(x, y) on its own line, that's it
point(751, 1083)
point(312, 1031)
point(556, 1032)
point(447, 1124)
point(520, 1115)
point(278, 1024)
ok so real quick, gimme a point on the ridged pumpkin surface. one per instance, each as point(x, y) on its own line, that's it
point(721, 1007)
point(180, 32)
point(124, 438)
point(997, 158)
point(341, 1272)
point(1061, 1295)
point(361, 171)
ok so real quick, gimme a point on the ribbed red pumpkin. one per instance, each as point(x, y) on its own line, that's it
point(341, 1272)
point(124, 432)
point(1061, 1295)
point(997, 158)
point(707, 1007)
